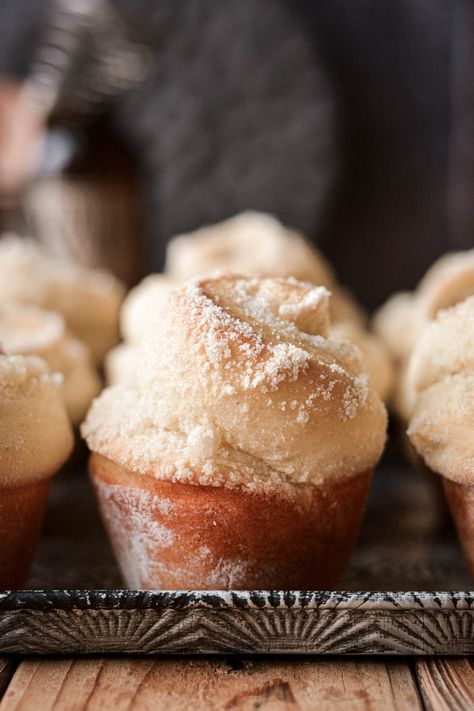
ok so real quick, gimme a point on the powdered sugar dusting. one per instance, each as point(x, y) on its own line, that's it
point(138, 537)
point(223, 571)
point(230, 328)
point(356, 397)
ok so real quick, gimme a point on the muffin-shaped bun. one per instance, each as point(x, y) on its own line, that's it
point(440, 380)
point(88, 299)
point(400, 321)
point(35, 434)
point(446, 347)
point(30, 330)
point(398, 324)
point(240, 385)
point(256, 243)
point(143, 304)
point(442, 428)
point(121, 363)
point(249, 243)
point(449, 281)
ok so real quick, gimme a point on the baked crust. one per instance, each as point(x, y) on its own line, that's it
point(181, 536)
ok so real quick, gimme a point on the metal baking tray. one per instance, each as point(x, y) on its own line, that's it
point(407, 550)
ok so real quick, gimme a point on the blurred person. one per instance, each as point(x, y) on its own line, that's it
point(224, 105)
point(21, 133)
point(82, 60)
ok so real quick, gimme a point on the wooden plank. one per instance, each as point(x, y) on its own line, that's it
point(212, 683)
point(36, 684)
point(73, 685)
point(7, 668)
point(446, 684)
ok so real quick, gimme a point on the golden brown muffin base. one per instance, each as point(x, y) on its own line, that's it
point(22, 510)
point(461, 504)
point(176, 536)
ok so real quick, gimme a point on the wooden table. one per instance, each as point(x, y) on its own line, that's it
point(277, 684)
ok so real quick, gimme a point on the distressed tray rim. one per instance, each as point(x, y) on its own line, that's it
point(194, 622)
point(123, 598)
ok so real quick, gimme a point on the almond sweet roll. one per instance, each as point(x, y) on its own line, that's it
point(241, 453)
point(441, 384)
point(35, 441)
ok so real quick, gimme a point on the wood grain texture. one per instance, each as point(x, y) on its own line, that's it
point(273, 622)
point(446, 684)
point(211, 684)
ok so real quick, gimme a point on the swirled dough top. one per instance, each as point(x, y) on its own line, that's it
point(238, 384)
point(440, 379)
point(145, 302)
point(88, 299)
point(35, 434)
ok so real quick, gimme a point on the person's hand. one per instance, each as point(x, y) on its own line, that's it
point(22, 127)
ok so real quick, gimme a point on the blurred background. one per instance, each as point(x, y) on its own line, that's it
point(125, 122)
